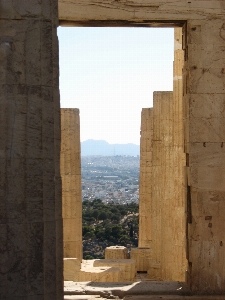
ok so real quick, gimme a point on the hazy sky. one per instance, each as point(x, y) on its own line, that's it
point(110, 75)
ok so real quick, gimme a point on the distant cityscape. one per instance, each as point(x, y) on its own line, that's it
point(110, 178)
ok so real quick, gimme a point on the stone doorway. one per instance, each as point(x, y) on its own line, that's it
point(162, 237)
point(31, 224)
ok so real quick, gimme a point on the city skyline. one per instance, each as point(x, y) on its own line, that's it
point(110, 74)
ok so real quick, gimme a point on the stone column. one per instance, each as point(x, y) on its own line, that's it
point(168, 196)
point(116, 252)
point(166, 184)
point(162, 184)
point(204, 95)
point(173, 260)
point(142, 254)
point(178, 262)
point(30, 184)
point(144, 239)
point(70, 168)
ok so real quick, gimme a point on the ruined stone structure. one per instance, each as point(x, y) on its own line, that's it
point(118, 252)
point(30, 186)
point(71, 269)
point(70, 169)
point(162, 184)
point(107, 270)
point(142, 257)
point(178, 220)
point(145, 188)
point(162, 180)
point(98, 274)
point(127, 267)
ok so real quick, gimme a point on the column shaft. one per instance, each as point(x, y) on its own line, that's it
point(144, 239)
point(70, 167)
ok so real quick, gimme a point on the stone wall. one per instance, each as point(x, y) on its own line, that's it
point(70, 168)
point(204, 88)
point(30, 184)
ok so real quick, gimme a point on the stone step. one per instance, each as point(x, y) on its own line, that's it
point(125, 289)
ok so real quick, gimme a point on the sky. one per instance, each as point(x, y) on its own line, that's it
point(110, 74)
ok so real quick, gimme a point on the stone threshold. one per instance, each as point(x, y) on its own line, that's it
point(120, 290)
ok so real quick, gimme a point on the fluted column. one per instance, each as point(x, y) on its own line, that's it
point(161, 178)
point(144, 239)
point(70, 167)
point(177, 221)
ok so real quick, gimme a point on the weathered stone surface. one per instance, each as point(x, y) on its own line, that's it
point(70, 168)
point(145, 187)
point(99, 270)
point(89, 272)
point(137, 11)
point(29, 95)
point(31, 213)
point(119, 252)
point(176, 247)
point(123, 289)
point(162, 185)
point(162, 179)
point(71, 268)
point(204, 136)
point(127, 266)
point(142, 258)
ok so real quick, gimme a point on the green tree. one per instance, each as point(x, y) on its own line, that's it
point(95, 214)
point(86, 203)
point(124, 239)
point(89, 235)
point(88, 257)
point(131, 231)
point(116, 231)
point(108, 232)
point(86, 229)
point(116, 217)
point(97, 202)
point(102, 215)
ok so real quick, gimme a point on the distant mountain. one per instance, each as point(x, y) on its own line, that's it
point(100, 147)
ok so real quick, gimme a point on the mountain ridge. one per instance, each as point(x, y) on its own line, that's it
point(101, 147)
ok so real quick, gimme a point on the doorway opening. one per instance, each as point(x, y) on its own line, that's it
point(105, 87)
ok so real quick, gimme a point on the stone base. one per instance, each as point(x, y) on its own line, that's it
point(118, 252)
point(127, 266)
point(98, 274)
point(154, 271)
point(99, 270)
point(71, 268)
point(142, 256)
